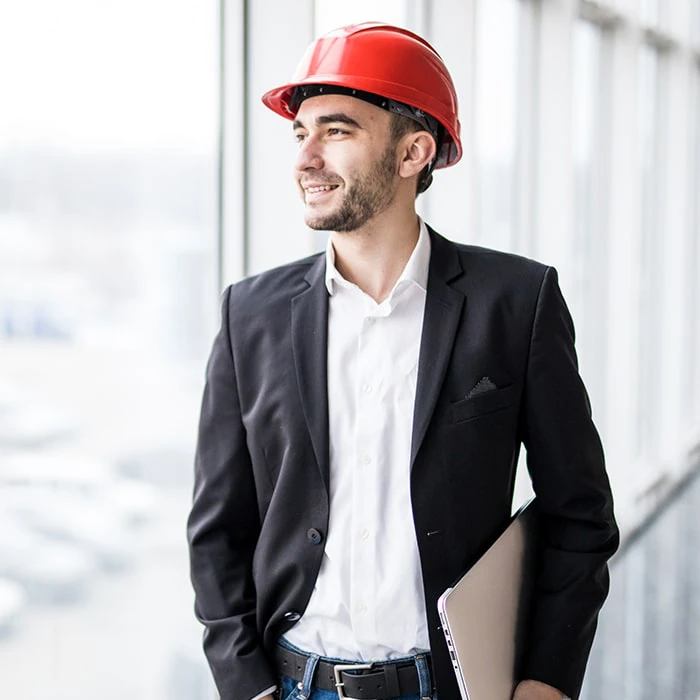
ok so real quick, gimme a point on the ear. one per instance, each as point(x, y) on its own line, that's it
point(418, 149)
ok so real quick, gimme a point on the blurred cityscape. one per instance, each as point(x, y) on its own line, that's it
point(106, 276)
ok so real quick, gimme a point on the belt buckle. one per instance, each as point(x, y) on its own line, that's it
point(339, 668)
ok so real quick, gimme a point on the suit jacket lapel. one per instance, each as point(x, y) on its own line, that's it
point(443, 310)
point(309, 344)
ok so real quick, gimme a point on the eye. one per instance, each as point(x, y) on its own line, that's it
point(335, 131)
point(299, 137)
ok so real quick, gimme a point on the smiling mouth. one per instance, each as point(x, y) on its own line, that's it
point(320, 188)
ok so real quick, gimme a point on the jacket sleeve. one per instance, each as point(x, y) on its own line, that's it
point(223, 528)
point(566, 463)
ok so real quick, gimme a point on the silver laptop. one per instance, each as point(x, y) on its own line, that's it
point(484, 614)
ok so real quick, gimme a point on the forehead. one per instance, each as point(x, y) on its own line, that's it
point(368, 116)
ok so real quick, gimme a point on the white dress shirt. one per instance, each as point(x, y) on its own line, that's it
point(368, 602)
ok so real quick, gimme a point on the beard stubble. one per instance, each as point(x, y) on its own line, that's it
point(365, 198)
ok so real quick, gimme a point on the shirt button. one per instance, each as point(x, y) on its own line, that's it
point(366, 459)
point(364, 533)
point(367, 388)
point(292, 616)
point(314, 536)
point(361, 608)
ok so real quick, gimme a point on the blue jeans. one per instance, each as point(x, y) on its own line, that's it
point(304, 690)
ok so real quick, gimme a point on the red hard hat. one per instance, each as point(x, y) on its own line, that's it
point(386, 61)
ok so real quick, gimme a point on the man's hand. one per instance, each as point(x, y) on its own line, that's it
point(535, 690)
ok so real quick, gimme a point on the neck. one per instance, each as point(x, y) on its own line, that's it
point(374, 256)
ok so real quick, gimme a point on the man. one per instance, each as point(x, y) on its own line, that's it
point(364, 411)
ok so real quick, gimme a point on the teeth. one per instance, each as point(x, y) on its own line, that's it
point(322, 188)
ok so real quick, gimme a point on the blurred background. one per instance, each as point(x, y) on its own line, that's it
point(140, 174)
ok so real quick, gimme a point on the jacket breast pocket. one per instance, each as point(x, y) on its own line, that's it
point(482, 404)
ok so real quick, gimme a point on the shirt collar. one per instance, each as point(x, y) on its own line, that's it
point(416, 269)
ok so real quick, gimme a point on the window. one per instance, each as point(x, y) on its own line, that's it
point(650, 249)
point(693, 394)
point(649, 12)
point(496, 119)
point(648, 639)
point(588, 270)
point(331, 15)
point(107, 309)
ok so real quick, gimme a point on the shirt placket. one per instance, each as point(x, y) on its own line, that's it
point(367, 477)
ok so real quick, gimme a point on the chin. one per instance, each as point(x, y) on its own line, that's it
point(316, 221)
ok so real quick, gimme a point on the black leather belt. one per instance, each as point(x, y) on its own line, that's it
point(383, 680)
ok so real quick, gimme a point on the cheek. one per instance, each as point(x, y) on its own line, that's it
point(351, 161)
point(339, 159)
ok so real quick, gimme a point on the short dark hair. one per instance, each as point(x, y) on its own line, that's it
point(399, 127)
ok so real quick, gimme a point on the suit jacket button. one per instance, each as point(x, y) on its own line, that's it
point(292, 616)
point(314, 536)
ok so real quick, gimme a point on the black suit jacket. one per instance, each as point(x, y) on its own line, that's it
point(262, 461)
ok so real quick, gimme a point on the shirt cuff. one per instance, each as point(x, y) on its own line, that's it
point(267, 691)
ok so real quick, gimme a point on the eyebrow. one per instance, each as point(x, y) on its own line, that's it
point(338, 117)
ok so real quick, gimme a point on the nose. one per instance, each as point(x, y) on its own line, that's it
point(309, 156)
